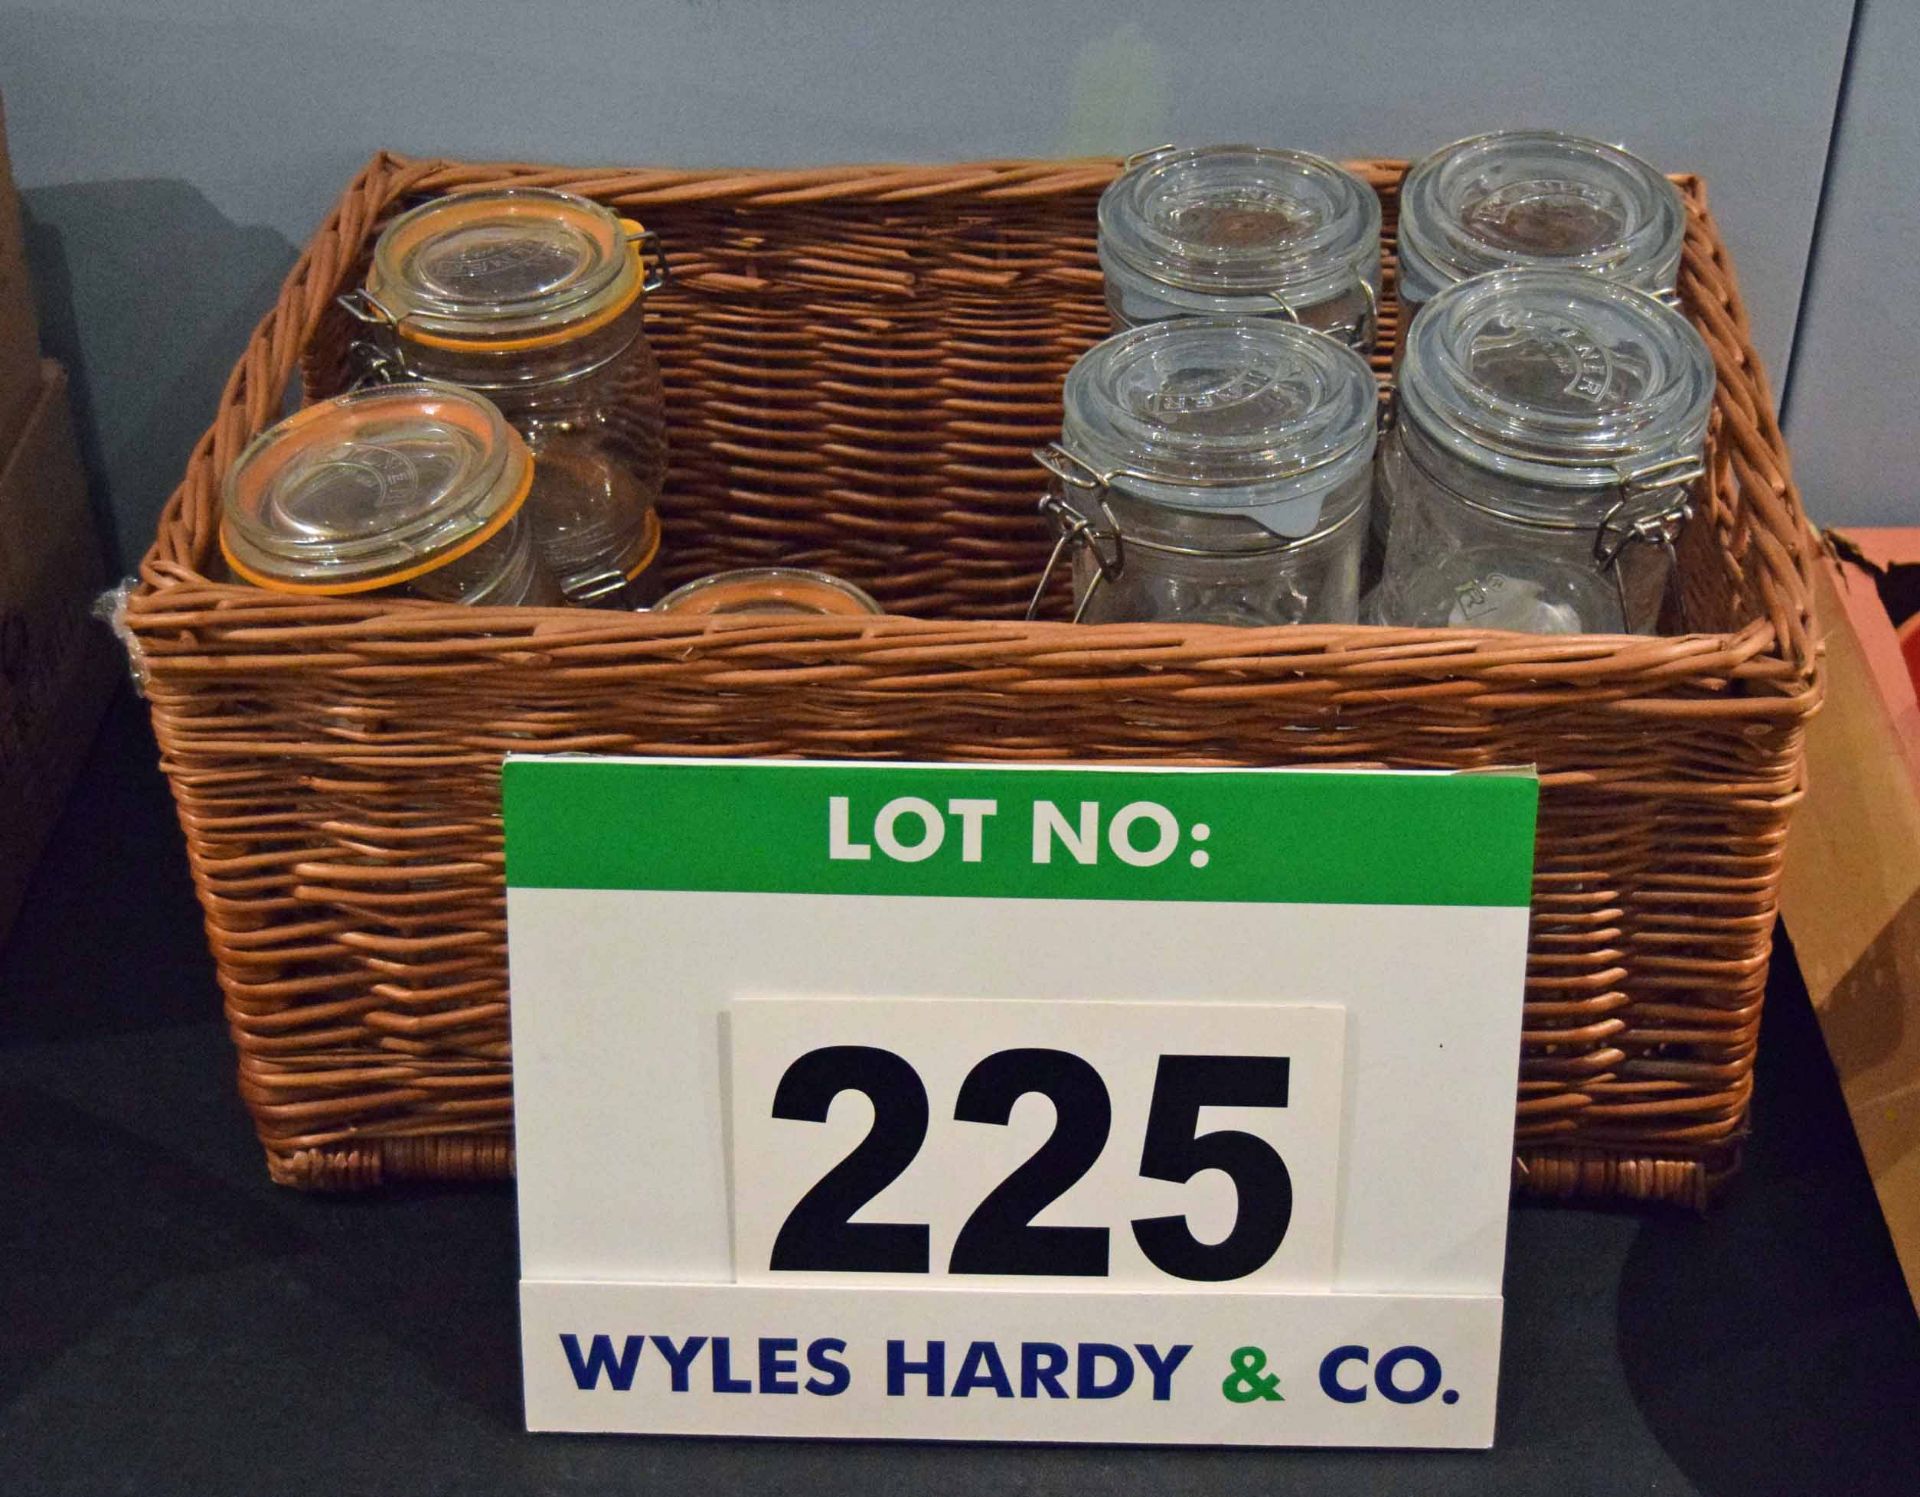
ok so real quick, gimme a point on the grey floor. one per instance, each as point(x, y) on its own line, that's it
point(171, 1323)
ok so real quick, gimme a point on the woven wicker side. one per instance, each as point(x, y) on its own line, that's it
point(858, 361)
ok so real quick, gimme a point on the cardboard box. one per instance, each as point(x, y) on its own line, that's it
point(58, 665)
point(19, 332)
point(1851, 890)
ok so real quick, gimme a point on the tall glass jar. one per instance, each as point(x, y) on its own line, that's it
point(1550, 428)
point(534, 299)
point(1242, 231)
point(1535, 198)
point(1213, 471)
point(413, 488)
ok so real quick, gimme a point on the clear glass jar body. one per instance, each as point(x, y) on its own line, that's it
point(591, 409)
point(1472, 548)
point(1183, 566)
point(504, 570)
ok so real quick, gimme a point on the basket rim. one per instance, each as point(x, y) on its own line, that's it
point(1778, 653)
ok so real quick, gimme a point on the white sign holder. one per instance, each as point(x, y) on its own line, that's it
point(1007, 1103)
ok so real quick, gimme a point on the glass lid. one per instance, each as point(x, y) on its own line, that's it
point(1537, 197)
point(371, 489)
point(1247, 415)
point(508, 263)
point(1241, 221)
point(1557, 378)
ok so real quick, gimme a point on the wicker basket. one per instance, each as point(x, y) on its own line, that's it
point(859, 360)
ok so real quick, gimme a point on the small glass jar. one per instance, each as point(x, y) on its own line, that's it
point(1242, 231)
point(534, 299)
point(411, 488)
point(768, 590)
point(1213, 471)
point(1536, 198)
point(1550, 426)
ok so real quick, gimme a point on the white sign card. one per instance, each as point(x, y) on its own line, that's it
point(1014, 1102)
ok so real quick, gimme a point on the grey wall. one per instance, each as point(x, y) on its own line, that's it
point(173, 152)
point(1850, 401)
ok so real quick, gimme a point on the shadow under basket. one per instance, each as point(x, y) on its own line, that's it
point(858, 362)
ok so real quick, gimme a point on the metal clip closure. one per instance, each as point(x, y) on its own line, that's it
point(1140, 157)
point(1074, 472)
point(1362, 332)
point(1389, 414)
point(1657, 527)
point(371, 363)
point(654, 270)
point(1073, 530)
point(364, 307)
point(1287, 313)
point(1660, 527)
point(374, 365)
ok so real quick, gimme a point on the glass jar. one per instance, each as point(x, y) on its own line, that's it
point(414, 488)
point(1550, 426)
point(534, 299)
point(1213, 471)
point(1242, 231)
point(768, 590)
point(1535, 198)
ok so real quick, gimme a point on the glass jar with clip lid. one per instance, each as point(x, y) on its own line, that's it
point(1549, 427)
point(415, 489)
point(534, 299)
point(1541, 199)
point(1242, 231)
point(1213, 471)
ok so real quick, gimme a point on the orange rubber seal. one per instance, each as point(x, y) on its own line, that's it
point(393, 579)
point(565, 334)
point(653, 545)
point(559, 335)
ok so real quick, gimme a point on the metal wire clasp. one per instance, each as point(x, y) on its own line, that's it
point(1287, 311)
point(365, 308)
point(371, 362)
point(1659, 526)
point(1369, 329)
point(654, 270)
point(1655, 527)
point(1073, 530)
point(1388, 414)
point(1365, 328)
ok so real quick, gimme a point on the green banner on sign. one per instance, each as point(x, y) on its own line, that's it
point(1296, 836)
